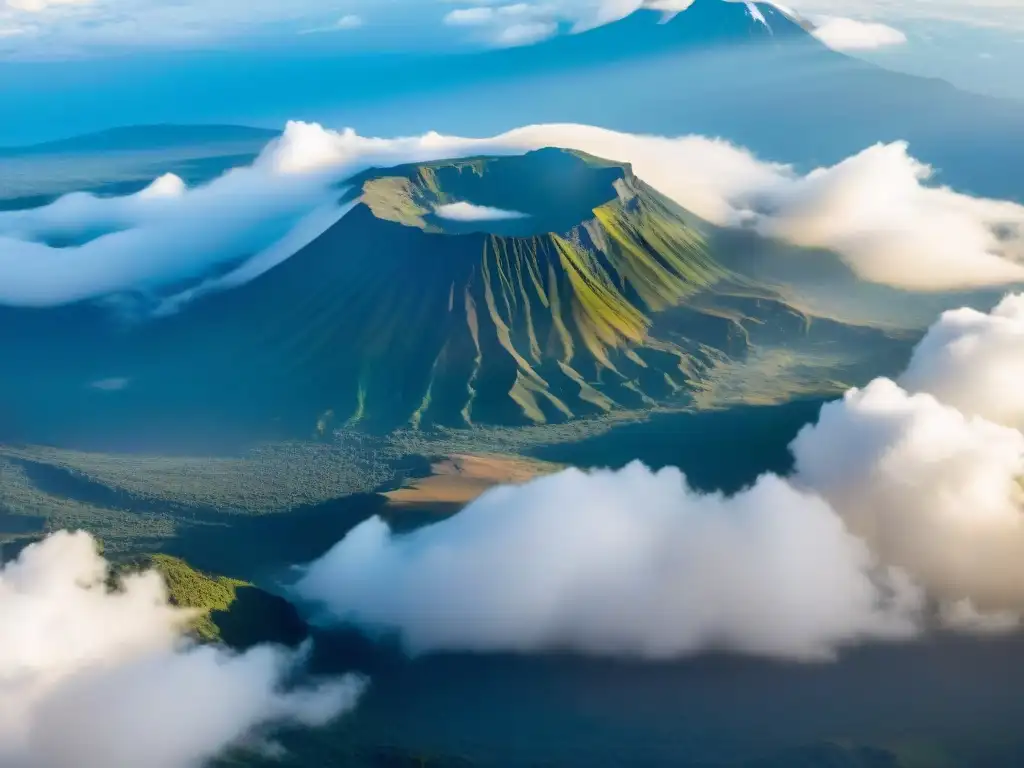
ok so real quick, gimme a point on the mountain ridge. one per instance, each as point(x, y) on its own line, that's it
point(150, 136)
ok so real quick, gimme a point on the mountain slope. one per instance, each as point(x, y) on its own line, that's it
point(562, 287)
point(397, 315)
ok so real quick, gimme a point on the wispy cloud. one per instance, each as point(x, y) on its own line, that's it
point(877, 210)
point(510, 24)
point(37, 6)
point(851, 35)
point(470, 212)
point(526, 34)
point(351, 21)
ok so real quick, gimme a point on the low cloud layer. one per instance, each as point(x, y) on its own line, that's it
point(930, 490)
point(903, 514)
point(877, 210)
point(843, 34)
point(93, 678)
point(632, 562)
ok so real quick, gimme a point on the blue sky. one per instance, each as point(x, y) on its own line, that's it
point(69, 28)
point(54, 51)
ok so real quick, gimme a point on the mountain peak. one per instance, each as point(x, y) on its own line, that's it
point(719, 20)
point(541, 192)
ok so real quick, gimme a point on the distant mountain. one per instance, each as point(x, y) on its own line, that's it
point(122, 161)
point(715, 69)
point(644, 34)
point(146, 137)
point(599, 296)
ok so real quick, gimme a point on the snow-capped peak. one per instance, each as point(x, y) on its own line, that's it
point(756, 15)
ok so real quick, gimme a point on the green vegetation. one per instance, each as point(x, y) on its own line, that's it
point(189, 588)
point(229, 611)
point(31, 505)
point(266, 479)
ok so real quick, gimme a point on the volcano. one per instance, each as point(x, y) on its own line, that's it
point(399, 314)
point(510, 291)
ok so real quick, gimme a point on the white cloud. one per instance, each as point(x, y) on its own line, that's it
point(91, 678)
point(509, 25)
point(902, 514)
point(470, 212)
point(876, 210)
point(73, 26)
point(625, 563)
point(962, 616)
point(36, 6)
point(977, 13)
point(351, 21)
point(975, 362)
point(931, 490)
point(469, 17)
point(144, 240)
point(851, 35)
point(525, 34)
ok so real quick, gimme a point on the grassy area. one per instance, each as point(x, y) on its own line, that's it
point(230, 611)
